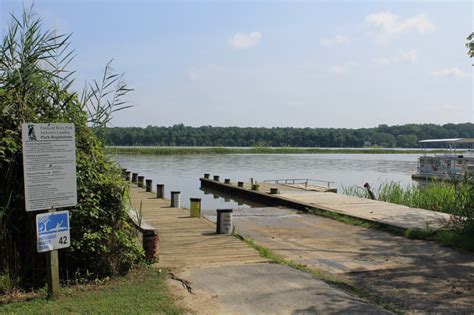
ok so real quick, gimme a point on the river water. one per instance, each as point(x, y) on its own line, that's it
point(182, 172)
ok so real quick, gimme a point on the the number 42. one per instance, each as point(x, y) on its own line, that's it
point(63, 240)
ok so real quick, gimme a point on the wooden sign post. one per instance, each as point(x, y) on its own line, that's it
point(49, 170)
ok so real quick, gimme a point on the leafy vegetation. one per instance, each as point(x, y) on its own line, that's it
point(456, 199)
point(143, 291)
point(35, 87)
point(405, 136)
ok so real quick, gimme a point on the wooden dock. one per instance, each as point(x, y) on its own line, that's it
point(186, 241)
point(370, 210)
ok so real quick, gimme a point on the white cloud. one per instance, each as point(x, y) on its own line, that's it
point(244, 41)
point(338, 69)
point(410, 56)
point(451, 72)
point(386, 24)
point(333, 41)
point(342, 68)
point(193, 75)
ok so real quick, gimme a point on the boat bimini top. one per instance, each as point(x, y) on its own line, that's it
point(451, 142)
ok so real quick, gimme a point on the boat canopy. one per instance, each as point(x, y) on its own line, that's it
point(449, 141)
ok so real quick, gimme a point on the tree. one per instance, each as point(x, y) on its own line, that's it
point(470, 45)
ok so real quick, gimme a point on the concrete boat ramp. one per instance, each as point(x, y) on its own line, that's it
point(380, 212)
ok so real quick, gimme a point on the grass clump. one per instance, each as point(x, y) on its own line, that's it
point(142, 291)
point(454, 198)
point(250, 150)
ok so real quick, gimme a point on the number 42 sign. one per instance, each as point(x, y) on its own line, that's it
point(52, 231)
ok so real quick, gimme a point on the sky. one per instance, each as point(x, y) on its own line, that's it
point(341, 64)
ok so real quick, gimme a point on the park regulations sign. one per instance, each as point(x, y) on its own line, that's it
point(49, 165)
point(52, 231)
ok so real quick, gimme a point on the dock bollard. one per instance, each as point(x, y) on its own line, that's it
point(134, 178)
point(227, 181)
point(141, 180)
point(195, 207)
point(274, 191)
point(151, 245)
point(148, 183)
point(216, 178)
point(127, 176)
point(207, 175)
point(160, 191)
point(240, 184)
point(224, 221)
point(175, 201)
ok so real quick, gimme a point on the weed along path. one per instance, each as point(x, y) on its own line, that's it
point(226, 276)
point(408, 275)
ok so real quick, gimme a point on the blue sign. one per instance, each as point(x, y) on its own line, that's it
point(52, 231)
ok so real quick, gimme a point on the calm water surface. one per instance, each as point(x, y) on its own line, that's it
point(182, 172)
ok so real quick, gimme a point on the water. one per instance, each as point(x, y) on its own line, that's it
point(182, 172)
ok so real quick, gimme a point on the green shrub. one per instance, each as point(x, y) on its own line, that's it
point(34, 87)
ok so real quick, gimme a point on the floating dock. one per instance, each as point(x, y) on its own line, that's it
point(380, 212)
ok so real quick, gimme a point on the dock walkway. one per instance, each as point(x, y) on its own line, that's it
point(186, 241)
point(371, 210)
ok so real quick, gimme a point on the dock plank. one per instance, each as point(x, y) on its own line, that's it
point(186, 241)
point(371, 210)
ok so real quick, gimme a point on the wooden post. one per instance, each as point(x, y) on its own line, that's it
point(160, 191)
point(141, 179)
point(195, 207)
point(240, 184)
point(227, 181)
point(206, 175)
point(52, 264)
point(134, 178)
point(148, 184)
point(274, 191)
point(127, 176)
point(216, 178)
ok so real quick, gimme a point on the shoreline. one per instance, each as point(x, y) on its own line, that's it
point(261, 150)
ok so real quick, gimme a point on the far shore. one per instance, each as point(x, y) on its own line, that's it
point(262, 150)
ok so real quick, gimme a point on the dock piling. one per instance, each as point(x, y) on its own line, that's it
point(127, 176)
point(160, 191)
point(224, 221)
point(227, 181)
point(141, 180)
point(148, 184)
point(216, 178)
point(195, 207)
point(134, 178)
point(175, 199)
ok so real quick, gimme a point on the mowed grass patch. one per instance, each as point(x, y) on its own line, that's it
point(142, 291)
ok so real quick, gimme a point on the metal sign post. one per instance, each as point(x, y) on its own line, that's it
point(49, 168)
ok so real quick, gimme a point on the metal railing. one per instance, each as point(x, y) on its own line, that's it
point(305, 181)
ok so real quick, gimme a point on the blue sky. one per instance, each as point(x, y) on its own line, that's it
point(271, 63)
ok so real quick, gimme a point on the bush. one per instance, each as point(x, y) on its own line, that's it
point(34, 87)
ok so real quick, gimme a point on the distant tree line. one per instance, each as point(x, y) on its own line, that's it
point(404, 136)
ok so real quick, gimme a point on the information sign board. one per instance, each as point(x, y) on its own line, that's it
point(49, 165)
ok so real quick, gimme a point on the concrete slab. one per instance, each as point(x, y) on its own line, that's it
point(414, 275)
point(269, 289)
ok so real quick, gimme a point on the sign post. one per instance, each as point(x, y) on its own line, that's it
point(49, 167)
